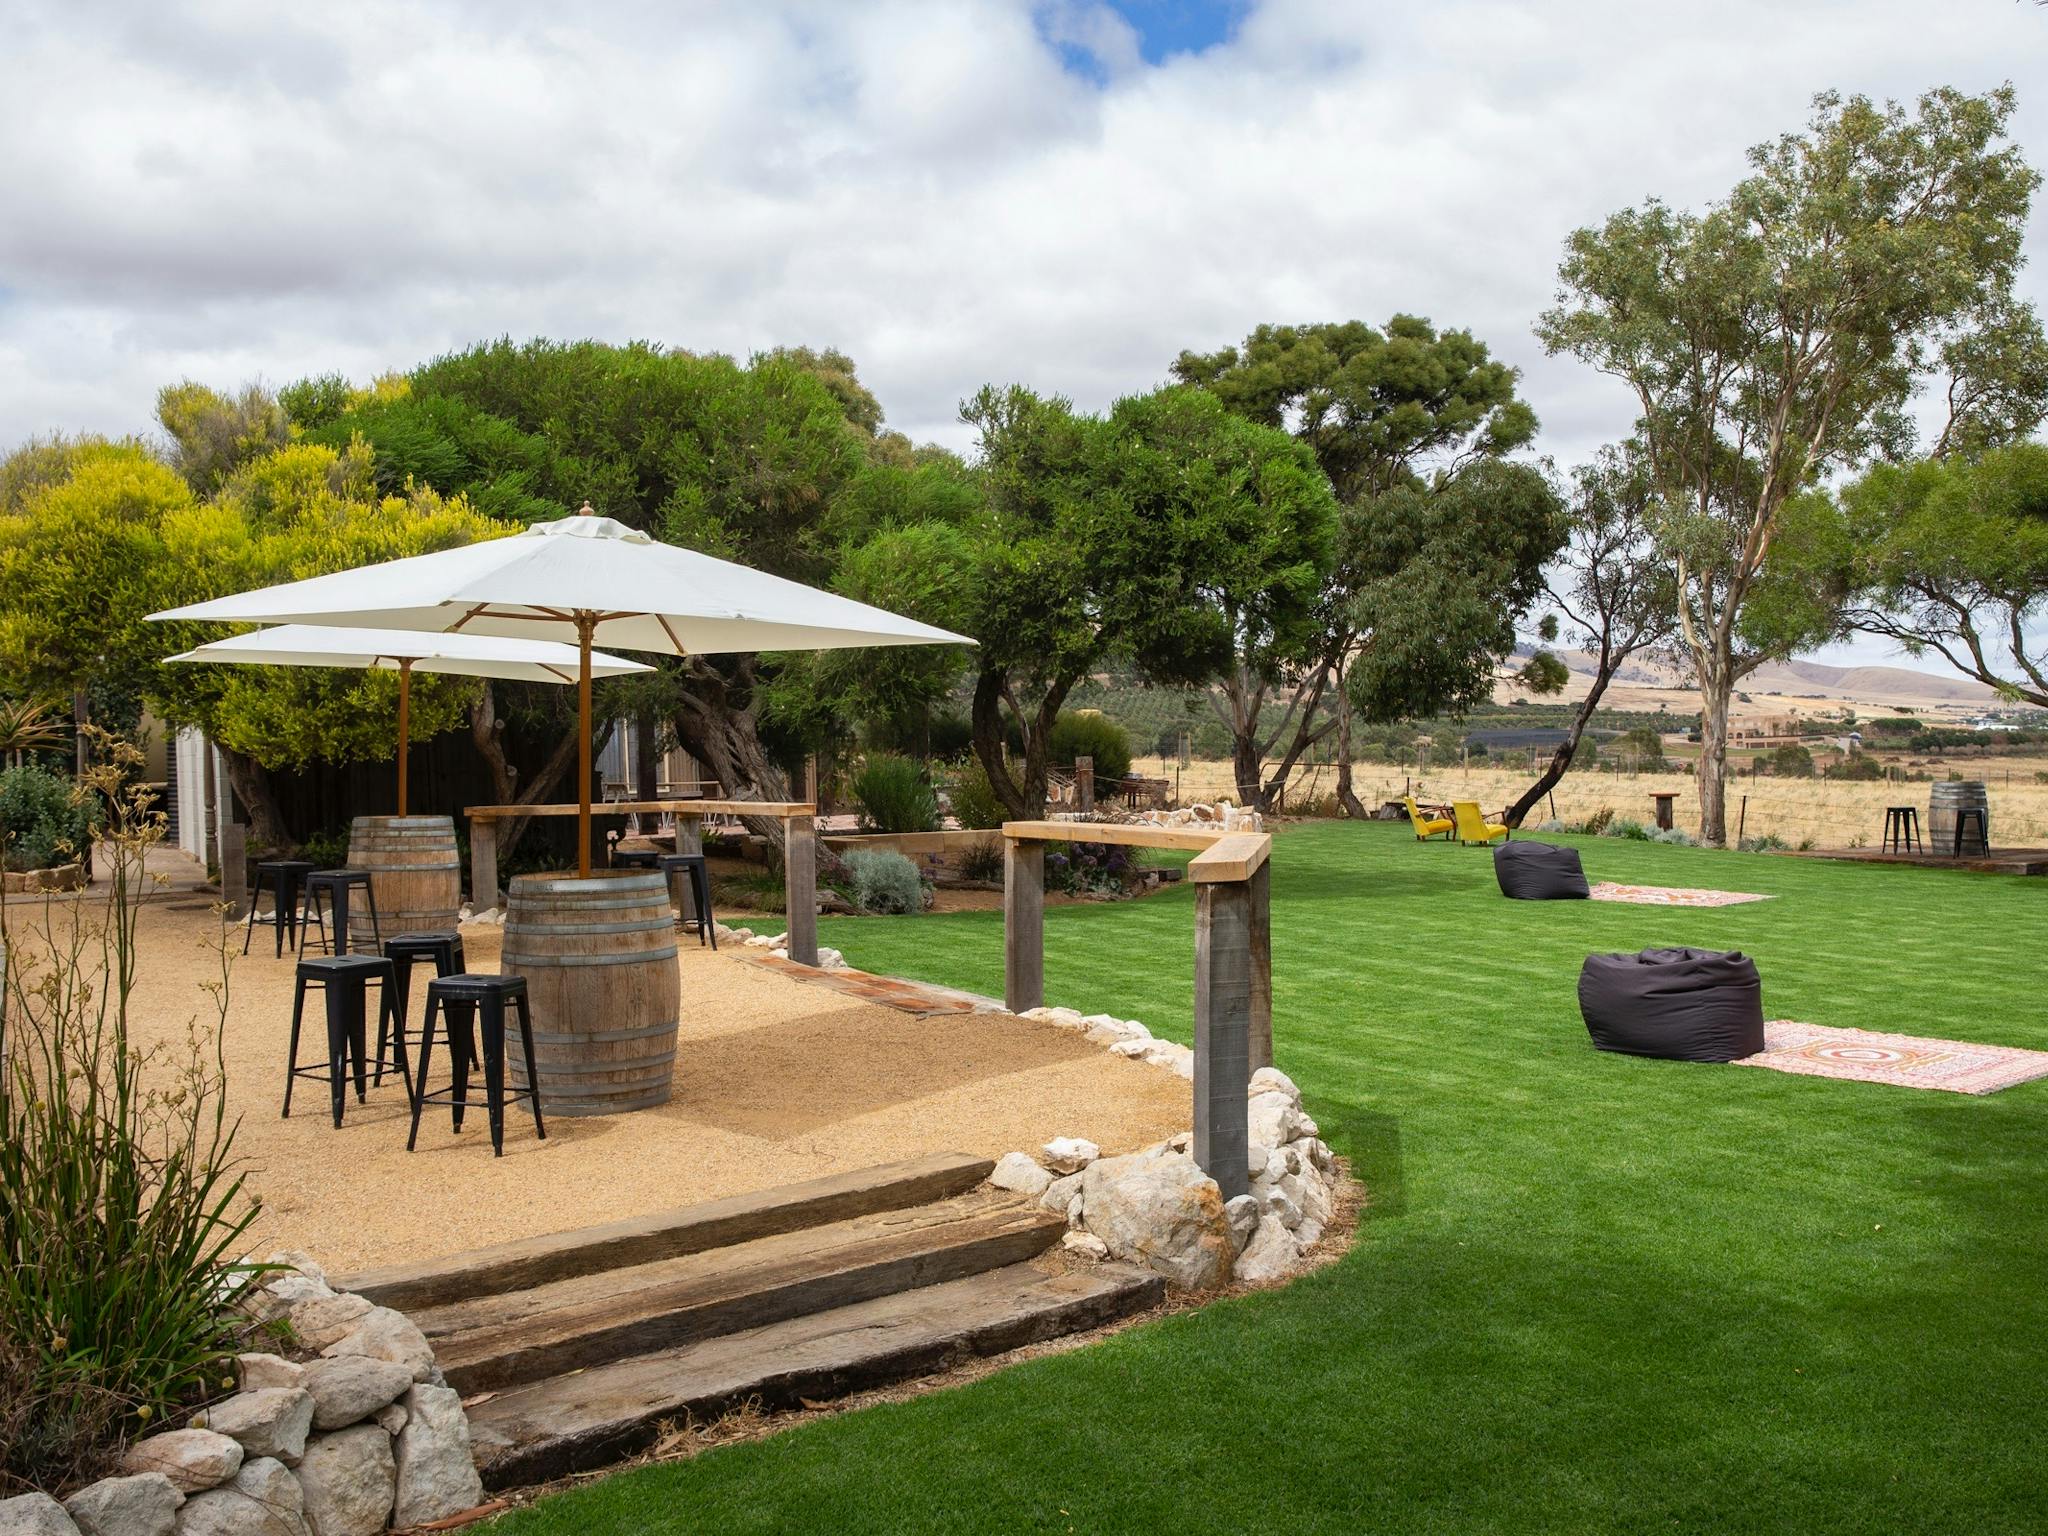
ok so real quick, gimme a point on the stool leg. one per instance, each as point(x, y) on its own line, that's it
point(401, 972)
point(338, 911)
point(458, 1024)
point(291, 909)
point(419, 1098)
point(700, 886)
point(249, 931)
point(310, 918)
point(291, 1066)
point(376, 928)
point(337, 1047)
point(456, 963)
point(388, 1018)
point(493, 1027)
point(532, 1077)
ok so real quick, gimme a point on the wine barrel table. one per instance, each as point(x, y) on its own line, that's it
point(415, 874)
point(599, 958)
point(1949, 803)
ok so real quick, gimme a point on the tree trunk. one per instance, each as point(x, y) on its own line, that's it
point(1347, 798)
point(718, 723)
point(81, 716)
point(251, 784)
point(1561, 759)
point(1023, 799)
point(487, 731)
point(1717, 687)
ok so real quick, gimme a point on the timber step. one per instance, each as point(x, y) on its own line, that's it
point(669, 1234)
point(592, 1418)
point(490, 1342)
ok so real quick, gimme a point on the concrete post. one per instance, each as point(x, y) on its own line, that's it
point(689, 839)
point(234, 869)
point(800, 880)
point(483, 863)
point(1223, 1015)
point(1023, 925)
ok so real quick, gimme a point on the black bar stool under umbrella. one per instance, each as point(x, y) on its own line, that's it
point(335, 885)
point(284, 877)
point(692, 867)
point(343, 982)
point(404, 950)
point(458, 1004)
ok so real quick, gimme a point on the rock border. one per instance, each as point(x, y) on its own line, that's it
point(354, 1431)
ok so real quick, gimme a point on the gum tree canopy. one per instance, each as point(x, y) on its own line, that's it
point(1779, 337)
point(1439, 544)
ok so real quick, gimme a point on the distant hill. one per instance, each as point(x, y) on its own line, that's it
point(1872, 685)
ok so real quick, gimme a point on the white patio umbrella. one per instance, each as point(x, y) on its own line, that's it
point(406, 652)
point(591, 578)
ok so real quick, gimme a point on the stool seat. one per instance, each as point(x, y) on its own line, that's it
point(634, 858)
point(692, 867)
point(404, 951)
point(335, 885)
point(344, 981)
point(457, 1003)
point(284, 877)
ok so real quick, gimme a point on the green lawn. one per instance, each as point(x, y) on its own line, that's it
point(1592, 1293)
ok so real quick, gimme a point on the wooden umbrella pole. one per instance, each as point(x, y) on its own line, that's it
point(586, 622)
point(404, 724)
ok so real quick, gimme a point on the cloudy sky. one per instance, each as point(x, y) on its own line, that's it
point(1059, 192)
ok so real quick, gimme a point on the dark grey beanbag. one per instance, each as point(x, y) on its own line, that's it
point(1538, 872)
point(1682, 1004)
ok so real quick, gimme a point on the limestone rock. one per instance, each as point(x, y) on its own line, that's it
point(387, 1335)
point(1085, 1245)
point(436, 1475)
point(324, 1320)
point(1162, 1212)
point(1061, 1193)
point(1018, 1171)
point(299, 1259)
point(349, 1478)
point(1242, 1212)
point(270, 1421)
point(1316, 1151)
point(253, 1371)
point(143, 1505)
point(1068, 1154)
point(348, 1389)
point(1279, 1205)
point(264, 1499)
point(1272, 1119)
point(392, 1419)
point(294, 1288)
point(1106, 1029)
point(1064, 1018)
point(831, 959)
point(193, 1459)
point(34, 1514)
point(1273, 1080)
point(1272, 1253)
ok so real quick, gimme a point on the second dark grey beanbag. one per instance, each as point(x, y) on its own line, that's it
point(1681, 1004)
point(1538, 872)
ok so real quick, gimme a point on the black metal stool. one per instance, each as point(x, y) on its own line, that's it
point(1964, 816)
point(284, 877)
point(456, 1001)
point(344, 982)
point(335, 884)
point(403, 950)
point(634, 858)
point(693, 865)
point(1902, 828)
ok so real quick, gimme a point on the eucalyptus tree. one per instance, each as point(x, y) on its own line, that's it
point(1395, 417)
point(1778, 338)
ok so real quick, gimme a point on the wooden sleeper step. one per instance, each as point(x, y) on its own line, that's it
point(490, 1343)
point(593, 1418)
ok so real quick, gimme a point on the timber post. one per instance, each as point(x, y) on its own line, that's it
point(234, 869)
point(800, 881)
point(1084, 784)
point(483, 862)
point(1233, 964)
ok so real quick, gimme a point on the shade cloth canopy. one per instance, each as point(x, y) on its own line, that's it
point(643, 594)
point(396, 650)
point(592, 578)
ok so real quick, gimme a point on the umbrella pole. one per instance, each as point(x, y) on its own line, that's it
point(585, 623)
point(404, 724)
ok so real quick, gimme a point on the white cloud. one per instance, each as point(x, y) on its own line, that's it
point(229, 190)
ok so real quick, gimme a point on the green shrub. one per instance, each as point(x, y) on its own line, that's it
point(983, 861)
point(327, 848)
point(885, 882)
point(1858, 769)
point(1627, 827)
point(973, 800)
point(120, 1199)
point(952, 737)
point(44, 820)
point(1076, 734)
point(1769, 842)
point(894, 796)
point(1792, 761)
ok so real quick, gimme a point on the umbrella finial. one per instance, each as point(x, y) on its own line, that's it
point(586, 510)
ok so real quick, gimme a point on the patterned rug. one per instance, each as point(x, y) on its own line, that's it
point(1906, 1061)
point(1671, 895)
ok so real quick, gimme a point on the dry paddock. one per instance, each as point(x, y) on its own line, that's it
point(776, 1080)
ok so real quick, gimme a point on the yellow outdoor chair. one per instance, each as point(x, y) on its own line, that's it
point(1473, 827)
point(1427, 827)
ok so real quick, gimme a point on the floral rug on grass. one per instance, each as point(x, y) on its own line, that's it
point(1905, 1061)
point(1670, 895)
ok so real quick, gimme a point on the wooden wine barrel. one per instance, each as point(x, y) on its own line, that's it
point(1944, 802)
point(599, 958)
point(415, 873)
